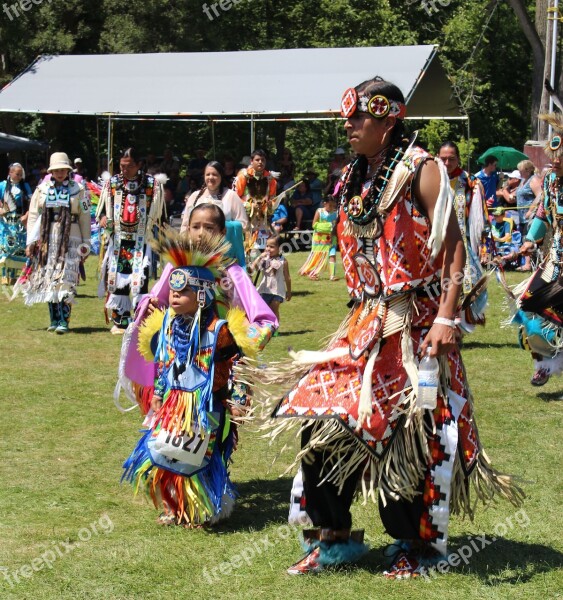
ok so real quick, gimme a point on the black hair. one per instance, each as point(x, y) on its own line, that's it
point(490, 160)
point(22, 183)
point(258, 152)
point(451, 145)
point(218, 214)
point(276, 238)
point(307, 185)
point(132, 154)
point(222, 185)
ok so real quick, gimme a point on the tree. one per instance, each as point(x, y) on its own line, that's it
point(538, 35)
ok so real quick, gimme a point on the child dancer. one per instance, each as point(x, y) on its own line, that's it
point(182, 459)
point(136, 375)
point(275, 286)
point(324, 242)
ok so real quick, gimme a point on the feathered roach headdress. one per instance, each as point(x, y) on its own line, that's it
point(198, 264)
point(554, 146)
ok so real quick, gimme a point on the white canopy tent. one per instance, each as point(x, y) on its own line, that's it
point(215, 86)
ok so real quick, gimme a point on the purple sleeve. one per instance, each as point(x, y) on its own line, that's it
point(262, 320)
point(136, 367)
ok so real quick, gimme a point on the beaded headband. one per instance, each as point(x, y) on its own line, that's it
point(377, 106)
point(199, 279)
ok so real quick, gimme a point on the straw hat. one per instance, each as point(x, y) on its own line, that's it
point(59, 160)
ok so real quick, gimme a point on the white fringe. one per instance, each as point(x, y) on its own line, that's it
point(442, 211)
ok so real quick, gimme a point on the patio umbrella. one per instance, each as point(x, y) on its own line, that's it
point(508, 157)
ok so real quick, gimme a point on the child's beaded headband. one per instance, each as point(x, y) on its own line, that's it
point(377, 106)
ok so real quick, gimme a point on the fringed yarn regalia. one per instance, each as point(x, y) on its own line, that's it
point(181, 461)
point(471, 213)
point(257, 191)
point(539, 306)
point(323, 245)
point(132, 209)
point(14, 200)
point(418, 464)
point(59, 226)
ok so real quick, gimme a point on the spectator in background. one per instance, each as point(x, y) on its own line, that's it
point(197, 165)
point(78, 171)
point(530, 188)
point(332, 180)
point(151, 164)
point(507, 195)
point(302, 204)
point(169, 163)
point(174, 205)
point(316, 188)
point(286, 167)
point(230, 171)
point(280, 217)
point(339, 161)
point(489, 177)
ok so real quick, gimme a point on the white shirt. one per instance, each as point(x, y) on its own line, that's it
point(230, 204)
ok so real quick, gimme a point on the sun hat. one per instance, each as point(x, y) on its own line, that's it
point(515, 175)
point(59, 160)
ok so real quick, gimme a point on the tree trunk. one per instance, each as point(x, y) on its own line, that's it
point(538, 55)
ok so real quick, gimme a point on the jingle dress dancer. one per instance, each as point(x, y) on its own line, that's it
point(355, 403)
point(540, 302)
point(15, 195)
point(182, 459)
point(130, 205)
point(58, 239)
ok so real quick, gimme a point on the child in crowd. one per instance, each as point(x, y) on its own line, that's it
point(182, 459)
point(323, 248)
point(280, 217)
point(275, 286)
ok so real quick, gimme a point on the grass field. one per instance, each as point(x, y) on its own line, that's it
point(69, 530)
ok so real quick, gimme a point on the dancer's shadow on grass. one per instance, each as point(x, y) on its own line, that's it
point(500, 562)
point(551, 396)
point(479, 345)
point(88, 329)
point(301, 331)
point(301, 293)
point(261, 502)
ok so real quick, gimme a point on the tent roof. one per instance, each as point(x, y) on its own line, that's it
point(8, 143)
point(297, 83)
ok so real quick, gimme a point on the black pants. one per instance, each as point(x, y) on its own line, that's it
point(329, 509)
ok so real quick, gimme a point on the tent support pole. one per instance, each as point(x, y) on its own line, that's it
point(98, 170)
point(213, 138)
point(252, 134)
point(110, 161)
point(468, 145)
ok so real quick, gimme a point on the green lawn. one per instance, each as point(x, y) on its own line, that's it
point(70, 530)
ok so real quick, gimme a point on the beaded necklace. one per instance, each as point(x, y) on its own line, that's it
point(58, 195)
point(363, 211)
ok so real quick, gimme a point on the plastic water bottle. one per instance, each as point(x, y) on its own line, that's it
point(428, 380)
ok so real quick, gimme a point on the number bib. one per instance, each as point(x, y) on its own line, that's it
point(185, 454)
point(261, 240)
point(187, 448)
